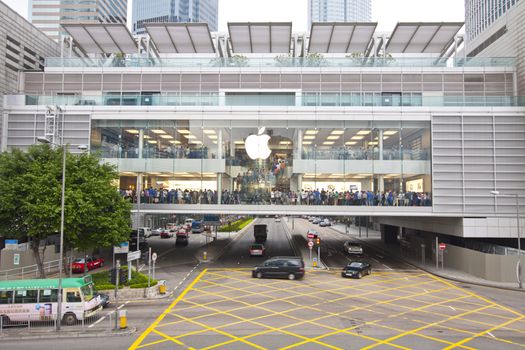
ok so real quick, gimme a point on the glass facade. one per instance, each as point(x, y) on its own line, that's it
point(310, 162)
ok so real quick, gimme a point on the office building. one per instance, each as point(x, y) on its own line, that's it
point(49, 15)
point(22, 47)
point(414, 140)
point(174, 11)
point(339, 11)
point(481, 14)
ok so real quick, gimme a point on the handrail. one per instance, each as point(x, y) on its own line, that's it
point(28, 271)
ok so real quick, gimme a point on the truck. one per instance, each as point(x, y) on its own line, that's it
point(260, 233)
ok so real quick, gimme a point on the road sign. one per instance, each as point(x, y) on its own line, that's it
point(442, 246)
point(122, 248)
point(310, 244)
point(11, 244)
point(212, 220)
point(311, 235)
point(134, 255)
point(154, 256)
point(16, 259)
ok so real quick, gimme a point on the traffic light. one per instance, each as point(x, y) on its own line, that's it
point(318, 240)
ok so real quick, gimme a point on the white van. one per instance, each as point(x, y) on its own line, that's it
point(188, 221)
point(145, 232)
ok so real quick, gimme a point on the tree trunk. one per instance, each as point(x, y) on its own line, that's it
point(39, 257)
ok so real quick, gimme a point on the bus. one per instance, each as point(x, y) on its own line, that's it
point(36, 300)
point(197, 227)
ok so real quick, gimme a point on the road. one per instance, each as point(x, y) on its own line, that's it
point(220, 306)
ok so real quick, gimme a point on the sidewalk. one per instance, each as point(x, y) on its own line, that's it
point(374, 240)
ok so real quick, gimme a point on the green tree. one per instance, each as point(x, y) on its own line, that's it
point(96, 216)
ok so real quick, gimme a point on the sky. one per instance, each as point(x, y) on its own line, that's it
point(386, 12)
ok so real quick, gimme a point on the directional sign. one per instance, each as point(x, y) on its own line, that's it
point(310, 244)
point(154, 256)
point(134, 255)
point(122, 248)
point(442, 246)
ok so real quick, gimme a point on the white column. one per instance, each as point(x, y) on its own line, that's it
point(141, 142)
point(219, 144)
point(219, 188)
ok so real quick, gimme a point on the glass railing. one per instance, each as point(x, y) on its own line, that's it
point(348, 153)
point(307, 100)
point(282, 61)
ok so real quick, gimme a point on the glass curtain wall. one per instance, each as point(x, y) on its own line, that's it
point(259, 161)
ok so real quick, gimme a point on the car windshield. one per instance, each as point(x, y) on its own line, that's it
point(354, 245)
point(256, 246)
point(355, 264)
point(80, 260)
point(88, 292)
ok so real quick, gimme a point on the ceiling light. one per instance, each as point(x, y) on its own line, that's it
point(158, 131)
point(307, 142)
point(183, 131)
point(132, 131)
point(364, 132)
point(240, 142)
point(334, 137)
point(213, 137)
point(309, 137)
point(190, 136)
point(152, 141)
point(166, 136)
point(285, 142)
point(147, 137)
point(175, 142)
point(357, 137)
point(196, 142)
point(337, 132)
point(372, 143)
point(208, 131)
point(328, 143)
point(311, 132)
point(390, 132)
point(350, 143)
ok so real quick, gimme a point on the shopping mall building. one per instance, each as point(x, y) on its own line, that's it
point(341, 121)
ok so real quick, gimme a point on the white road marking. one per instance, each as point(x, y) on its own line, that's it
point(109, 313)
point(377, 261)
point(184, 279)
point(492, 335)
point(452, 308)
point(380, 256)
point(387, 266)
point(426, 291)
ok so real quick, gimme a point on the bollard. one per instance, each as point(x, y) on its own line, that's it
point(162, 287)
point(314, 263)
point(205, 255)
point(123, 319)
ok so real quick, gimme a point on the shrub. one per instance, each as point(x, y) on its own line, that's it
point(138, 280)
point(236, 225)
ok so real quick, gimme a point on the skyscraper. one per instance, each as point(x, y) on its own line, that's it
point(339, 11)
point(48, 15)
point(480, 14)
point(147, 11)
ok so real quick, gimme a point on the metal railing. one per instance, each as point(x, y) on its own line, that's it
point(29, 271)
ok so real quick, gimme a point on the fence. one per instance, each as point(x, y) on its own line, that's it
point(36, 323)
point(30, 271)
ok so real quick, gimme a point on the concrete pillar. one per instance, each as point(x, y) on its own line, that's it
point(381, 179)
point(298, 145)
point(219, 188)
point(219, 144)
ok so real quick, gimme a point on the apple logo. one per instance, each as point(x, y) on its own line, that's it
point(257, 145)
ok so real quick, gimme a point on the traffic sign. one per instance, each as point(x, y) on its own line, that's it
point(311, 235)
point(154, 256)
point(134, 255)
point(310, 244)
point(442, 246)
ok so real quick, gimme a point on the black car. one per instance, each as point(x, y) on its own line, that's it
point(357, 269)
point(104, 299)
point(290, 267)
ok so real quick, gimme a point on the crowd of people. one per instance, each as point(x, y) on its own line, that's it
point(362, 153)
point(277, 197)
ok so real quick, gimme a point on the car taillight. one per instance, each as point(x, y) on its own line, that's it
point(301, 269)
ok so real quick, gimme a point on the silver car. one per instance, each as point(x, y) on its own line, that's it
point(353, 248)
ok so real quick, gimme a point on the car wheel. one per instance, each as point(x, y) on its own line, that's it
point(359, 275)
point(259, 275)
point(69, 319)
point(291, 276)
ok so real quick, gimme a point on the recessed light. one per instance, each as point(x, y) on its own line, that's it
point(166, 136)
point(183, 131)
point(357, 137)
point(208, 131)
point(309, 137)
point(285, 142)
point(190, 136)
point(351, 143)
point(328, 143)
point(311, 132)
point(132, 131)
point(372, 143)
point(239, 142)
point(390, 132)
point(158, 131)
point(196, 142)
point(337, 132)
point(307, 142)
point(175, 142)
point(333, 137)
point(147, 137)
point(364, 132)
point(213, 137)
point(152, 141)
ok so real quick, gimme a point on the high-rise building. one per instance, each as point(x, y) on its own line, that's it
point(481, 14)
point(497, 30)
point(49, 15)
point(146, 11)
point(339, 11)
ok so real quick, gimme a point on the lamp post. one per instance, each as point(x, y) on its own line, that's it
point(61, 253)
point(516, 197)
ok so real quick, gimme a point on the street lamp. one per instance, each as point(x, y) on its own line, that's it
point(516, 197)
point(61, 254)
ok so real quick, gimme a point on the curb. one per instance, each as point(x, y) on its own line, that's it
point(65, 334)
point(445, 276)
point(296, 250)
